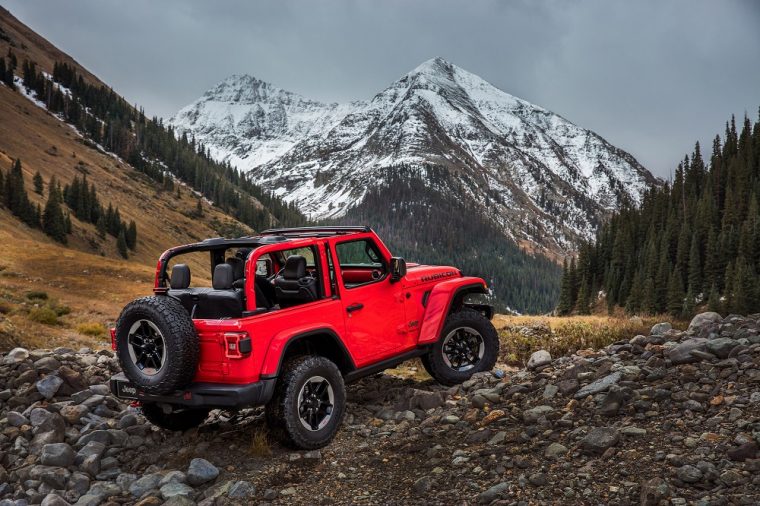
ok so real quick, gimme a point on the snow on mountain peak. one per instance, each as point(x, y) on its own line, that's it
point(539, 177)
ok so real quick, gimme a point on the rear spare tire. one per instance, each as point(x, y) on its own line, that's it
point(157, 344)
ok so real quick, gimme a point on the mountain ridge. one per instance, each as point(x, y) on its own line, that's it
point(542, 180)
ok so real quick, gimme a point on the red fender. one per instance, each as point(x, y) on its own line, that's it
point(439, 303)
point(276, 347)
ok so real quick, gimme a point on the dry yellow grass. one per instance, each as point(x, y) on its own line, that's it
point(520, 336)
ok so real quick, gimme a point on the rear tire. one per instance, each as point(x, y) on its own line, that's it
point(309, 400)
point(179, 420)
point(468, 344)
point(157, 344)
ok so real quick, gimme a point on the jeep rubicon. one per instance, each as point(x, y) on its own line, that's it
point(290, 317)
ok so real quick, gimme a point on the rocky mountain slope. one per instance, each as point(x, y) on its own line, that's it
point(537, 177)
point(668, 418)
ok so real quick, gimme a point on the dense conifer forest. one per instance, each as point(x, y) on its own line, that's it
point(80, 198)
point(426, 226)
point(693, 243)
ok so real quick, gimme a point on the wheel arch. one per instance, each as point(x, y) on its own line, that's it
point(323, 342)
point(446, 298)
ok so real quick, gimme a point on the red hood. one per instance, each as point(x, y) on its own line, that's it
point(417, 274)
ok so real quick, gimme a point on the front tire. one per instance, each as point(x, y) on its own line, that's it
point(467, 345)
point(309, 400)
point(179, 420)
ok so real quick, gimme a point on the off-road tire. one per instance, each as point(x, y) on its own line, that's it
point(180, 420)
point(282, 411)
point(181, 345)
point(434, 362)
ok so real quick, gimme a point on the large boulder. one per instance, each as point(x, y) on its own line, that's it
point(681, 353)
point(539, 358)
point(704, 319)
point(599, 439)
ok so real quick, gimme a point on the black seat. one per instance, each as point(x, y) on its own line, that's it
point(293, 285)
point(179, 288)
point(222, 301)
point(238, 271)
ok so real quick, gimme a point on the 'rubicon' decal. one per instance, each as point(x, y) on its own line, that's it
point(439, 275)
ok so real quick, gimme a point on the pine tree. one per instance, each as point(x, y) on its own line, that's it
point(38, 185)
point(675, 294)
point(101, 225)
point(199, 209)
point(713, 302)
point(566, 302)
point(131, 235)
point(53, 220)
point(584, 298)
point(121, 244)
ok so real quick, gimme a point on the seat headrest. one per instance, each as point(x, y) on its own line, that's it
point(238, 267)
point(295, 267)
point(180, 278)
point(223, 277)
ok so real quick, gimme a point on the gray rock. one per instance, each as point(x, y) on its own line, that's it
point(74, 413)
point(539, 358)
point(48, 386)
point(16, 355)
point(599, 385)
point(173, 477)
point(722, 346)
point(659, 329)
point(599, 439)
point(493, 493)
point(632, 431)
point(144, 484)
point(689, 474)
point(681, 353)
point(47, 364)
point(550, 391)
point(16, 419)
point(241, 490)
point(174, 488)
point(731, 478)
point(555, 451)
point(654, 491)
point(704, 319)
point(57, 454)
point(201, 471)
point(532, 415)
point(54, 500)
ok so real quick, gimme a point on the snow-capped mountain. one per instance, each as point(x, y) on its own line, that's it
point(539, 178)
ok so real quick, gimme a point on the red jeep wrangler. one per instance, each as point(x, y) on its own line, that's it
point(290, 317)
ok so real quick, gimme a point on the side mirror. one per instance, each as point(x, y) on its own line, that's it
point(398, 269)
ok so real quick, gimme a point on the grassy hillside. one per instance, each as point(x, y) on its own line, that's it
point(87, 280)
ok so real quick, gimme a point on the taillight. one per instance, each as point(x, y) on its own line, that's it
point(237, 344)
point(113, 339)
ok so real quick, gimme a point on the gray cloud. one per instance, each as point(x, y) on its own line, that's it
point(652, 77)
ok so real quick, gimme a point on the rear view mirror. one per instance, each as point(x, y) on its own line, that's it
point(398, 269)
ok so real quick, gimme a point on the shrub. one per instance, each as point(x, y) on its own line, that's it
point(44, 315)
point(37, 295)
point(61, 310)
point(5, 307)
point(91, 329)
point(260, 446)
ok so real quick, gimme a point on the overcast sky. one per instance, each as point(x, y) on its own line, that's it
point(650, 77)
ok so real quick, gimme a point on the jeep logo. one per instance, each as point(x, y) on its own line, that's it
point(128, 390)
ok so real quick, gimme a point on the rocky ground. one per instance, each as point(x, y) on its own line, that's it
point(668, 418)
